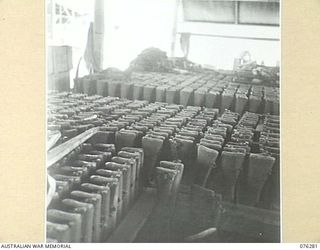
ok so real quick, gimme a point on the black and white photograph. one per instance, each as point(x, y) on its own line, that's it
point(163, 121)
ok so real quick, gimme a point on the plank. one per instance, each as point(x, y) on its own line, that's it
point(57, 153)
point(53, 138)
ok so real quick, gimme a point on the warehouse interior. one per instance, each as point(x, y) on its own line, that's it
point(163, 121)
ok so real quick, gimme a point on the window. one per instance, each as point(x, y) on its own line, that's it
point(209, 11)
point(259, 12)
point(262, 13)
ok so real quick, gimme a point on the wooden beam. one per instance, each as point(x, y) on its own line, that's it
point(254, 32)
point(98, 32)
point(235, 37)
point(174, 28)
point(57, 153)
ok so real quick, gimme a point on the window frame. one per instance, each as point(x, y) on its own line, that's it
point(236, 13)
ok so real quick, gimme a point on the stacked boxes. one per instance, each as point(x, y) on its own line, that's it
point(159, 145)
point(212, 90)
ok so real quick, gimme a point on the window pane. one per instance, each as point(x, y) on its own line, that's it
point(259, 13)
point(209, 11)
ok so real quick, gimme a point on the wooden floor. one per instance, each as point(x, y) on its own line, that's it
point(133, 222)
point(237, 223)
point(149, 221)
